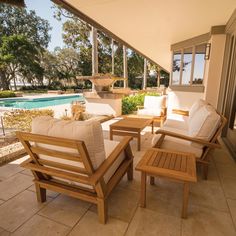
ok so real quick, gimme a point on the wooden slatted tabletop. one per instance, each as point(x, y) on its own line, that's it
point(173, 165)
point(177, 165)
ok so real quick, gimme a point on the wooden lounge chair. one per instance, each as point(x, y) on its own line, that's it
point(176, 134)
point(72, 172)
point(154, 106)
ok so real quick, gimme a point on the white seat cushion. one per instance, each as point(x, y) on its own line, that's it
point(150, 112)
point(88, 131)
point(176, 144)
point(179, 124)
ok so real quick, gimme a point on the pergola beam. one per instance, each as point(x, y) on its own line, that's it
point(145, 74)
point(125, 66)
point(94, 52)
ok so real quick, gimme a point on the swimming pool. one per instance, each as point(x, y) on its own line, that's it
point(33, 103)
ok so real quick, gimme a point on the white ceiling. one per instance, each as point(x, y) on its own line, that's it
point(151, 26)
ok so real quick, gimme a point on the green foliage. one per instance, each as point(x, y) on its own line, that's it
point(7, 94)
point(130, 103)
point(22, 119)
point(15, 20)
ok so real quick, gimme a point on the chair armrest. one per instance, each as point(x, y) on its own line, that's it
point(180, 112)
point(188, 138)
point(104, 167)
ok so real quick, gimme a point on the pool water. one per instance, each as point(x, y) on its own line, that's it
point(33, 103)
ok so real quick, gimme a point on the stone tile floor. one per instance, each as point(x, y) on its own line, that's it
point(212, 204)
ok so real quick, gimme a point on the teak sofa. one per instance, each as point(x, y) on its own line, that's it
point(194, 131)
point(71, 157)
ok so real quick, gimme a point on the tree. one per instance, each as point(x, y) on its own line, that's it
point(21, 32)
point(14, 21)
point(18, 57)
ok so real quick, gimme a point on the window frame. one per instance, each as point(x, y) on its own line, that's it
point(192, 68)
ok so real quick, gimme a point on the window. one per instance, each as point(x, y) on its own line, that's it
point(176, 68)
point(188, 66)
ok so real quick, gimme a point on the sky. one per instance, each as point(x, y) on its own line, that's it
point(43, 8)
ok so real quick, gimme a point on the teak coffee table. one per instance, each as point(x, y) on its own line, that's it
point(173, 165)
point(130, 127)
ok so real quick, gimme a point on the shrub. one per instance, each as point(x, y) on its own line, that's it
point(22, 119)
point(7, 94)
point(129, 104)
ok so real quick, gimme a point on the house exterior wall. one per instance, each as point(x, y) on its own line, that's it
point(213, 69)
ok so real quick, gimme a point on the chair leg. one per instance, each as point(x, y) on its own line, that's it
point(152, 180)
point(130, 172)
point(41, 193)
point(205, 171)
point(102, 210)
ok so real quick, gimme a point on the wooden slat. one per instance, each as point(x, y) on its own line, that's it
point(58, 154)
point(71, 191)
point(59, 173)
point(62, 142)
point(178, 162)
point(152, 158)
point(167, 162)
point(158, 158)
point(172, 161)
point(144, 159)
point(162, 160)
point(183, 164)
point(63, 166)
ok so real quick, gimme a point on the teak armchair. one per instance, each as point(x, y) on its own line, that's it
point(82, 182)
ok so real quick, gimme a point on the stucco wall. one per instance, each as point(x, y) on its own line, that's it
point(214, 68)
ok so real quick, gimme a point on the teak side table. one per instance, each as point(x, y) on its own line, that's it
point(172, 165)
point(130, 127)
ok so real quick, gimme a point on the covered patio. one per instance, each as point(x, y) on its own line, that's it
point(180, 38)
point(212, 204)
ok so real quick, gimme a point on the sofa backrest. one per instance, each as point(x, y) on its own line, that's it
point(204, 123)
point(154, 102)
point(88, 131)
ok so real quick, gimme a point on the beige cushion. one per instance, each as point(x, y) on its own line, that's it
point(150, 112)
point(195, 107)
point(204, 123)
point(88, 131)
point(154, 102)
point(175, 144)
point(179, 124)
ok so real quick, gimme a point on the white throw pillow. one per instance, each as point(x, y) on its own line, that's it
point(88, 131)
point(195, 107)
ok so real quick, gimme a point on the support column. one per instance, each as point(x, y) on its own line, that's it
point(94, 53)
point(112, 57)
point(158, 77)
point(125, 66)
point(145, 74)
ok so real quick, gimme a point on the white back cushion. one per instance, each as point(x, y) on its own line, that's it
point(88, 131)
point(204, 123)
point(195, 107)
point(154, 102)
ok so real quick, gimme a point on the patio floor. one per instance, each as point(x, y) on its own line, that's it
point(212, 204)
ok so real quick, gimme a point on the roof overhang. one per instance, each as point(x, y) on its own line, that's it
point(152, 26)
